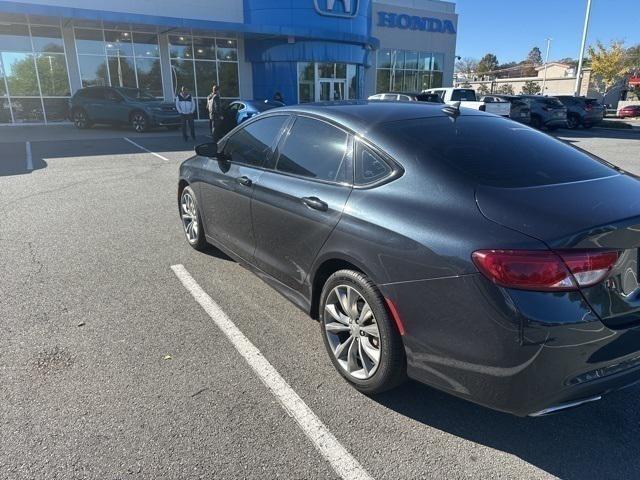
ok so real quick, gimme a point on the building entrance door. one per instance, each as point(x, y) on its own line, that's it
point(331, 90)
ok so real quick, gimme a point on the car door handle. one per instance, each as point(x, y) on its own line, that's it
point(244, 180)
point(315, 203)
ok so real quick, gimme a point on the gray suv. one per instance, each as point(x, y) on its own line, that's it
point(115, 105)
point(546, 112)
point(582, 111)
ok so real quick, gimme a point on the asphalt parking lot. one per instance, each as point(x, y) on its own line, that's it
point(110, 369)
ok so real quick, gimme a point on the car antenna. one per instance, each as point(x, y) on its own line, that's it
point(453, 109)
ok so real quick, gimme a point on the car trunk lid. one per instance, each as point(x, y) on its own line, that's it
point(602, 214)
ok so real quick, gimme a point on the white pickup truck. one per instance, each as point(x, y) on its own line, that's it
point(467, 98)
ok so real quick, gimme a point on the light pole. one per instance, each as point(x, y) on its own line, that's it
point(576, 90)
point(546, 61)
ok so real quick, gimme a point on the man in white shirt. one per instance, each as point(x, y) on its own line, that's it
point(186, 106)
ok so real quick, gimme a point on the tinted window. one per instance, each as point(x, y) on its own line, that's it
point(370, 167)
point(464, 95)
point(95, 93)
point(314, 149)
point(495, 151)
point(252, 145)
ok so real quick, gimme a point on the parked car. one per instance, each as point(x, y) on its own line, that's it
point(546, 112)
point(118, 106)
point(582, 111)
point(630, 111)
point(467, 98)
point(238, 111)
point(495, 263)
point(407, 97)
point(520, 111)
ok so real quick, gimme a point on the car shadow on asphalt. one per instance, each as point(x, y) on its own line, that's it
point(598, 440)
point(215, 252)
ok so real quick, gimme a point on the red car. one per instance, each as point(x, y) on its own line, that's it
point(629, 111)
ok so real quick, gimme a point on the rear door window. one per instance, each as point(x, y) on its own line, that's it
point(494, 151)
point(253, 144)
point(315, 149)
point(465, 95)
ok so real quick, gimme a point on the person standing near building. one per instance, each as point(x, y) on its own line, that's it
point(211, 107)
point(215, 112)
point(186, 106)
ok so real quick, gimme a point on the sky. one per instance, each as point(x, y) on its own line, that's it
point(510, 28)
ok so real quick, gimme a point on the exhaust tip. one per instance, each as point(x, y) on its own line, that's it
point(565, 406)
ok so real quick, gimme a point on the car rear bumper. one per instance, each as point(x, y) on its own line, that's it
point(514, 351)
point(592, 119)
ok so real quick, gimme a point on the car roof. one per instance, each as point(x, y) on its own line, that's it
point(362, 115)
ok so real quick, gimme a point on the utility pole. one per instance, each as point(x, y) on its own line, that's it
point(576, 90)
point(546, 60)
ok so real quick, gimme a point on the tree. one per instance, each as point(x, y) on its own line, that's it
point(487, 64)
point(467, 65)
point(531, 87)
point(483, 89)
point(610, 64)
point(506, 89)
point(633, 58)
point(572, 62)
point(535, 56)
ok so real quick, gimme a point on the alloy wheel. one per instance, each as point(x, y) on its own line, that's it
point(352, 331)
point(189, 216)
point(572, 122)
point(139, 122)
point(80, 119)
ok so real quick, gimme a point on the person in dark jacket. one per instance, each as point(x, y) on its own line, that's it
point(186, 106)
point(214, 104)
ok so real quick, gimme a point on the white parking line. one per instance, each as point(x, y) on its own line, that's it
point(340, 459)
point(29, 157)
point(146, 149)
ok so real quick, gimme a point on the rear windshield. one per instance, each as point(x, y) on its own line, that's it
point(552, 102)
point(464, 95)
point(495, 151)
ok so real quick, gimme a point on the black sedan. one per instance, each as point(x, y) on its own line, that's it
point(446, 245)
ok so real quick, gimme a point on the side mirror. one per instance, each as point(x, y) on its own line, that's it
point(208, 150)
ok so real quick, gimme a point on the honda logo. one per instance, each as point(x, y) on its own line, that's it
point(337, 8)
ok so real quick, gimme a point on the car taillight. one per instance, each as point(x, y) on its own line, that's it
point(544, 270)
point(588, 107)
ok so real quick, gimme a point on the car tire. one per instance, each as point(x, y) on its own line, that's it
point(573, 122)
point(191, 219)
point(536, 122)
point(80, 118)
point(139, 121)
point(351, 340)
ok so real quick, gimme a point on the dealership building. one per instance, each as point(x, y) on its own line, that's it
point(308, 50)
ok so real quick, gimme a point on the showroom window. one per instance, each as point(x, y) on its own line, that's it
point(318, 82)
point(34, 83)
point(119, 58)
point(408, 71)
point(199, 62)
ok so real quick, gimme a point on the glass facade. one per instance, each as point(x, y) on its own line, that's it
point(120, 58)
point(199, 62)
point(408, 71)
point(326, 81)
point(34, 82)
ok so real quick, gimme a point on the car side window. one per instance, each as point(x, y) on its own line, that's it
point(96, 93)
point(252, 144)
point(370, 167)
point(112, 96)
point(405, 98)
point(315, 149)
